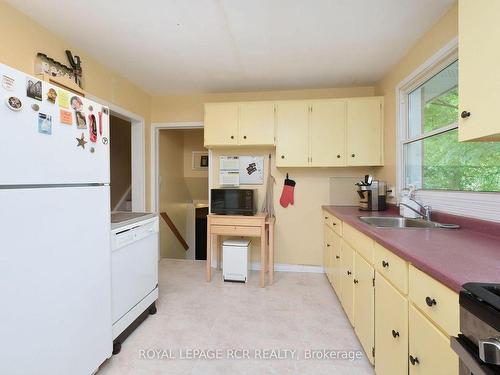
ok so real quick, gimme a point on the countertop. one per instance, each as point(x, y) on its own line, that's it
point(451, 256)
point(120, 218)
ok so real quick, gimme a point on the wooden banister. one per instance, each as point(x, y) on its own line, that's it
point(174, 230)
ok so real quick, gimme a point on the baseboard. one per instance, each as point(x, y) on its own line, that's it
point(282, 267)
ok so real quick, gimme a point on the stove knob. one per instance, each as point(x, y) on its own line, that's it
point(489, 350)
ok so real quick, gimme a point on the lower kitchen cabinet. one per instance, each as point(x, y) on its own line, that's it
point(429, 348)
point(347, 277)
point(391, 329)
point(364, 300)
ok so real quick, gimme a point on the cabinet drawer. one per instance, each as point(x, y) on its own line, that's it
point(435, 300)
point(336, 225)
point(361, 243)
point(327, 218)
point(231, 230)
point(392, 267)
point(242, 220)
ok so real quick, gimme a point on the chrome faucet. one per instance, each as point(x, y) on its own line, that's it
point(424, 212)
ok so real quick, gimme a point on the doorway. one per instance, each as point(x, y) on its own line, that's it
point(120, 157)
point(182, 191)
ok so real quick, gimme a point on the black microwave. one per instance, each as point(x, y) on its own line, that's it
point(233, 201)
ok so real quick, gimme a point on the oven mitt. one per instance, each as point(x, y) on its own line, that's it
point(287, 193)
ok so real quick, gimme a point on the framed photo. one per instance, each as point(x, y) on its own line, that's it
point(200, 161)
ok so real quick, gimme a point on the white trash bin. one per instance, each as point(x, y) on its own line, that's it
point(235, 260)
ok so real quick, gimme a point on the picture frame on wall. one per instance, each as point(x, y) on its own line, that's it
point(200, 161)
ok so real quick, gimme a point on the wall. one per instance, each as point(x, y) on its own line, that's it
point(440, 34)
point(20, 40)
point(196, 180)
point(299, 228)
point(120, 158)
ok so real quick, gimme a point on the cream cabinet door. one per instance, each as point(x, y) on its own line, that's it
point(391, 329)
point(364, 309)
point(256, 123)
point(479, 73)
point(429, 348)
point(336, 264)
point(364, 131)
point(221, 124)
point(292, 138)
point(327, 133)
point(347, 271)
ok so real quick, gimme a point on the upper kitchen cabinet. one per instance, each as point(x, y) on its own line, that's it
point(479, 70)
point(230, 124)
point(327, 133)
point(292, 134)
point(364, 131)
point(221, 124)
point(256, 123)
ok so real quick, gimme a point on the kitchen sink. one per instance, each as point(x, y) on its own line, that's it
point(402, 222)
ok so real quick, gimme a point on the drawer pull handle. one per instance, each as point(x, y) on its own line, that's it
point(327, 245)
point(244, 137)
point(349, 273)
point(385, 264)
point(334, 223)
point(232, 137)
point(338, 156)
point(430, 301)
point(414, 360)
point(353, 155)
point(356, 281)
point(395, 333)
point(337, 257)
point(326, 217)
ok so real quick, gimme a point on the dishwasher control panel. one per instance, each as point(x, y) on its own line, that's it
point(134, 232)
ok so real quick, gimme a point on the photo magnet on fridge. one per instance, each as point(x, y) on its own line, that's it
point(81, 123)
point(65, 117)
point(63, 99)
point(14, 103)
point(33, 88)
point(44, 123)
point(76, 103)
point(52, 95)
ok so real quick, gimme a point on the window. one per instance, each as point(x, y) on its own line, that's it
point(433, 159)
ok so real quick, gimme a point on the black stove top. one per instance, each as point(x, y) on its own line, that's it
point(483, 300)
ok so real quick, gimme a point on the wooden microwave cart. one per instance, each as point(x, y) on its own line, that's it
point(258, 225)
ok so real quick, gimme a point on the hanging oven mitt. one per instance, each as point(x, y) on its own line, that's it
point(287, 193)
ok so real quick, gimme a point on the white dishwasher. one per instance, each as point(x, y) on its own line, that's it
point(134, 271)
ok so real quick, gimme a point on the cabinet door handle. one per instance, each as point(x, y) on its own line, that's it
point(232, 137)
point(385, 264)
point(244, 137)
point(326, 217)
point(349, 273)
point(395, 333)
point(327, 245)
point(465, 114)
point(430, 301)
point(414, 360)
point(356, 281)
point(353, 155)
point(334, 224)
point(338, 156)
point(282, 156)
point(337, 257)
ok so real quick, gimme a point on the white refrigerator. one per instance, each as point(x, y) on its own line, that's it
point(55, 314)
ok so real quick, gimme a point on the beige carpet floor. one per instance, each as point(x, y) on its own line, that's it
point(299, 313)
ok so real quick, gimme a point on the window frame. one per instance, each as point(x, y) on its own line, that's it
point(482, 205)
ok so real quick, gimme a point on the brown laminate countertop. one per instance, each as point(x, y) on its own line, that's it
point(451, 256)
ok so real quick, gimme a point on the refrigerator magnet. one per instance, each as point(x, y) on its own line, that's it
point(35, 107)
point(8, 83)
point(104, 141)
point(92, 150)
point(105, 110)
point(91, 108)
point(44, 124)
point(76, 103)
point(52, 95)
point(81, 141)
point(92, 128)
point(65, 117)
point(14, 103)
point(99, 114)
point(33, 88)
point(63, 99)
point(81, 123)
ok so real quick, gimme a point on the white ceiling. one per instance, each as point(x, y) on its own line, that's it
point(174, 46)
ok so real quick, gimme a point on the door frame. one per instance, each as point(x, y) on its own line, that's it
point(138, 151)
point(155, 143)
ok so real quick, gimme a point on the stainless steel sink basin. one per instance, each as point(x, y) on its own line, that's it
point(402, 222)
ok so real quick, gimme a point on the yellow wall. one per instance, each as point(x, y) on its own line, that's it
point(299, 229)
point(20, 40)
point(119, 158)
point(439, 35)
